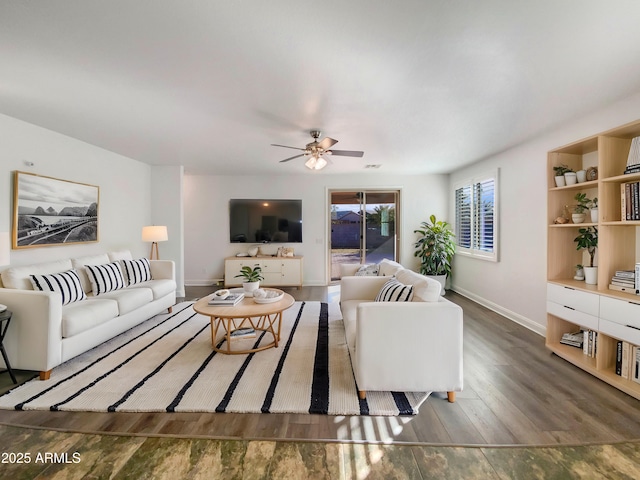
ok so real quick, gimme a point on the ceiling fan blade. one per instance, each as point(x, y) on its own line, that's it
point(327, 143)
point(347, 153)
point(287, 146)
point(291, 158)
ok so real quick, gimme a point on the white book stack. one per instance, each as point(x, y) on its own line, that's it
point(633, 160)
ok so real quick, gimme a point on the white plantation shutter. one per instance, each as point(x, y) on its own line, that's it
point(476, 222)
point(463, 216)
point(484, 194)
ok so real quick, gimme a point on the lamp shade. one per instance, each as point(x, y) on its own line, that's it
point(5, 248)
point(155, 233)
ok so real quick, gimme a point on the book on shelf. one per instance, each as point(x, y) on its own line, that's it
point(637, 277)
point(619, 357)
point(635, 369)
point(573, 339)
point(589, 343)
point(628, 361)
point(230, 300)
point(239, 333)
point(630, 201)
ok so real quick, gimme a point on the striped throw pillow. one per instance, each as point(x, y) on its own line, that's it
point(105, 278)
point(66, 284)
point(394, 291)
point(136, 271)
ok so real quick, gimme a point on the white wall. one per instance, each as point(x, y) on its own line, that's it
point(516, 285)
point(124, 187)
point(207, 215)
point(167, 208)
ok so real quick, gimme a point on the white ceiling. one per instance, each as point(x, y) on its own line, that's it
point(422, 86)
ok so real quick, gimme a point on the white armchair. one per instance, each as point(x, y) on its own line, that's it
point(411, 346)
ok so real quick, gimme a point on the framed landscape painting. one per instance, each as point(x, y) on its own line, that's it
point(48, 211)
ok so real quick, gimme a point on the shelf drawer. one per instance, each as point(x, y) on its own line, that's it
point(581, 301)
point(622, 312)
point(621, 332)
point(572, 315)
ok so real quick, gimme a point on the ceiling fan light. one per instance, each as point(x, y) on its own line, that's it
point(311, 163)
point(320, 163)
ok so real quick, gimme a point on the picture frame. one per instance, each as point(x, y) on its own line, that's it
point(49, 211)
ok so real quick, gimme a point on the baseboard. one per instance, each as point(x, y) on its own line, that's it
point(201, 283)
point(513, 316)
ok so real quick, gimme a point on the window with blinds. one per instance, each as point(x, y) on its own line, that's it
point(476, 224)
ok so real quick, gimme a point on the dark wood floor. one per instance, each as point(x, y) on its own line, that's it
point(516, 393)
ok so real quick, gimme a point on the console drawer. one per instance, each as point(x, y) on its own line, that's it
point(572, 315)
point(622, 312)
point(581, 301)
point(621, 332)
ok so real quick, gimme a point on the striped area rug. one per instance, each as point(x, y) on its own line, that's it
point(167, 364)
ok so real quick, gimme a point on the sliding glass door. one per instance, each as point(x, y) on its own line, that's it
point(363, 227)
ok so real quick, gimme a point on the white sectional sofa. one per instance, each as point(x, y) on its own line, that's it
point(413, 346)
point(45, 333)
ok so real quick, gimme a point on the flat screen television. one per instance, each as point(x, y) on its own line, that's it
point(265, 221)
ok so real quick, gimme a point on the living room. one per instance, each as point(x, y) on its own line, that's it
point(193, 201)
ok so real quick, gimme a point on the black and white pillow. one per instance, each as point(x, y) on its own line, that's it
point(105, 278)
point(136, 271)
point(66, 284)
point(394, 291)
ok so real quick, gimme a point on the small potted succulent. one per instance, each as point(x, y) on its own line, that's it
point(559, 172)
point(579, 273)
point(252, 277)
point(593, 208)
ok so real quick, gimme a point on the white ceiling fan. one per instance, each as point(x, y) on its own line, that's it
point(316, 150)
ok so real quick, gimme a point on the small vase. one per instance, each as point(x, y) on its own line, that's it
point(560, 181)
point(578, 217)
point(570, 178)
point(594, 215)
point(581, 176)
point(579, 274)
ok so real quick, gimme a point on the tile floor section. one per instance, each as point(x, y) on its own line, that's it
point(53, 454)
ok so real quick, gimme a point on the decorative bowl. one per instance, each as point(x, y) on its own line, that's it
point(271, 295)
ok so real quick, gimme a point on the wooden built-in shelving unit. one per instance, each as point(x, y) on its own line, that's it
point(569, 309)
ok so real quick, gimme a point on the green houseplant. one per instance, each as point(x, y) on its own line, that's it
point(251, 276)
point(587, 239)
point(580, 210)
point(435, 247)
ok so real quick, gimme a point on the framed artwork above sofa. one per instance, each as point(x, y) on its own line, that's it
point(49, 211)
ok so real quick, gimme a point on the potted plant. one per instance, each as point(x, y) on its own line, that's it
point(587, 239)
point(580, 210)
point(579, 272)
point(436, 248)
point(559, 172)
point(593, 208)
point(252, 277)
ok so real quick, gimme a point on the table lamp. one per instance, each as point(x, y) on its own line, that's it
point(154, 234)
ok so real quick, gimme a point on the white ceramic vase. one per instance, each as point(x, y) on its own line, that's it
point(570, 178)
point(560, 181)
point(594, 215)
point(581, 176)
point(591, 275)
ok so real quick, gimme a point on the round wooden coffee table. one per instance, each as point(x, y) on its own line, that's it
point(262, 317)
